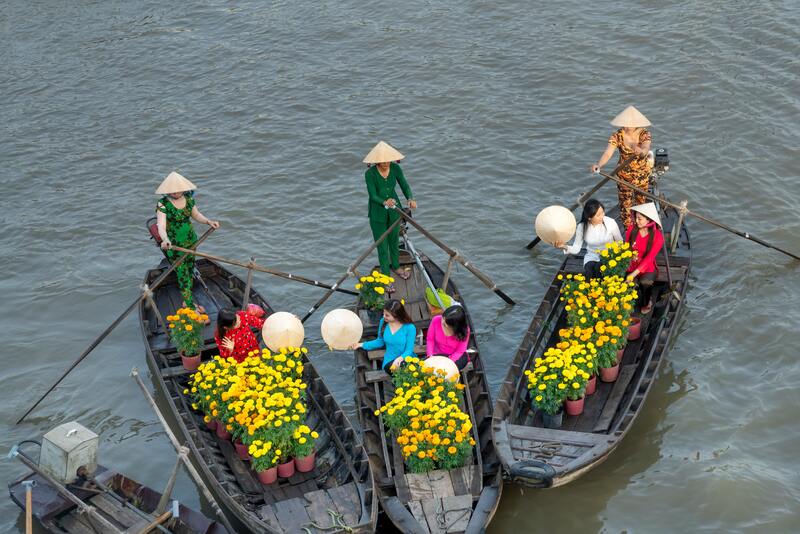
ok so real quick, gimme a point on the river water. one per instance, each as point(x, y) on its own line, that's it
point(499, 107)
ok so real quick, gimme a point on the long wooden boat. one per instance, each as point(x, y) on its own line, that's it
point(541, 457)
point(127, 505)
point(459, 500)
point(337, 496)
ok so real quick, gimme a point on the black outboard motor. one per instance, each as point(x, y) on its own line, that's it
point(661, 164)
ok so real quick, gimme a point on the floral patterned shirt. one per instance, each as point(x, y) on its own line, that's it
point(640, 166)
point(244, 340)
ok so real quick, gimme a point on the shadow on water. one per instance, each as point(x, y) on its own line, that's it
point(554, 510)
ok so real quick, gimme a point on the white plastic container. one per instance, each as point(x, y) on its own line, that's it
point(67, 448)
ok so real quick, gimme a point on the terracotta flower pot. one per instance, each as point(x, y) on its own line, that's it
point(554, 420)
point(620, 354)
point(212, 425)
point(222, 431)
point(591, 385)
point(306, 463)
point(635, 329)
point(190, 363)
point(286, 470)
point(609, 374)
point(575, 407)
point(241, 450)
point(268, 476)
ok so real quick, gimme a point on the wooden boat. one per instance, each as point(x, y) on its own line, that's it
point(338, 492)
point(540, 457)
point(57, 514)
point(460, 500)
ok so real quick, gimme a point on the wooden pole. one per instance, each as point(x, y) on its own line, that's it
point(446, 279)
point(28, 484)
point(255, 267)
point(184, 457)
point(249, 284)
point(682, 210)
point(165, 497)
point(160, 520)
point(584, 197)
point(457, 257)
point(158, 281)
point(351, 269)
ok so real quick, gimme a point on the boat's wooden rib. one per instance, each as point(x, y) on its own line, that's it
point(460, 500)
point(58, 515)
point(539, 457)
point(342, 481)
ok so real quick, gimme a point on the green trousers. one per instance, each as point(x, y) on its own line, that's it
point(389, 248)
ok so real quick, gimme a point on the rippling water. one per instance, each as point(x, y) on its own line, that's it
point(499, 107)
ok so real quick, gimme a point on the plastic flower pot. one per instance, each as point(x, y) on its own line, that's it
point(241, 450)
point(222, 431)
point(554, 420)
point(212, 425)
point(635, 329)
point(591, 385)
point(268, 476)
point(575, 407)
point(609, 374)
point(306, 463)
point(190, 363)
point(285, 470)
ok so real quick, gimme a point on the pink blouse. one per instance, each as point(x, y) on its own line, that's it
point(437, 343)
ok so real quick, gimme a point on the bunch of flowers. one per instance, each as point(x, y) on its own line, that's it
point(426, 417)
point(606, 300)
point(600, 344)
point(558, 375)
point(616, 258)
point(372, 289)
point(186, 330)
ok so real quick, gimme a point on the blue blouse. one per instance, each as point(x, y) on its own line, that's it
point(401, 343)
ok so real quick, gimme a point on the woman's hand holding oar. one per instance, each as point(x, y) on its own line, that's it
point(116, 322)
point(682, 208)
point(584, 197)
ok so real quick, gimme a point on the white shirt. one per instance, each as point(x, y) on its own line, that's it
point(597, 235)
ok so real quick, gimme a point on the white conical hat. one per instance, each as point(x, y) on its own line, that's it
point(383, 152)
point(630, 118)
point(555, 224)
point(341, 328)
point(650, 211)
point(175, 183)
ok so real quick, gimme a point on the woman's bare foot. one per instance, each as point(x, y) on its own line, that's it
point(402, 273)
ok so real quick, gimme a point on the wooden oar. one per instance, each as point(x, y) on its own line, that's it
point(182, 452)
point(253, 266)
point(682, 209)
point(456, 256)
point(584, 197)
point(350, 270)
point(146, 294)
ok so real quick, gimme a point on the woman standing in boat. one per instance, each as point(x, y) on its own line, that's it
point(234, 336)
point(448, 335)
point(396, 334)
point(632, 139)
point(174, 214)
point(646, 240)
point(382, 176)
point(595, 231)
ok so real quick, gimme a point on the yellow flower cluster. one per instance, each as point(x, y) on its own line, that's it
point(425, 415)
point(186, 330)
point(615, 258)
point(372, 289)
point(561, 372)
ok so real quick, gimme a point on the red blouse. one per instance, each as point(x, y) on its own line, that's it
point(645, 264)
point(243, 338)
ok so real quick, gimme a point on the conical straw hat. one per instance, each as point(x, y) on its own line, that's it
point(650, 211)
point(630, 118)
point(175, 183)
point(341, 328)
point(383, 152)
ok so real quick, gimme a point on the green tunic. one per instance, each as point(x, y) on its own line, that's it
point(181, 233)
point(381, 189)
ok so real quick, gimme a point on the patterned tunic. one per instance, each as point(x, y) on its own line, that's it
point(181, 233)
point(637, 173)
point(243, 338)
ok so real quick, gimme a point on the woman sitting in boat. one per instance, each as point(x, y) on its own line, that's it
point(632, 139)
point(382, 176)
point(594, 231)
point(234, 336)
point(448, 335)
point(646, 240)
point(396, 334)
point(174, 214)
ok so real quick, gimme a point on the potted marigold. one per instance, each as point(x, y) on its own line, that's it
point(372, 292)
point(186, 332)
point(546, 387)
point(303, 448)
point(616, 258)
point(264, 460)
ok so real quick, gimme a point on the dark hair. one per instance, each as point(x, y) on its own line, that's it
point(651, 235)
point(396, 308)
point(226, 318)
point(456, 318)
point(590, 209)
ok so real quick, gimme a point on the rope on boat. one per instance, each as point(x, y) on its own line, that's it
point(337, 524)
point(441, 516)
point(546, 449)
